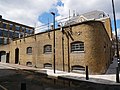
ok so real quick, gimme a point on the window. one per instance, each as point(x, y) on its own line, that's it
point(31, 31)
point(27, 30)
point(4, 25)
point(77, 46)
point(16, 35)
point(29, 63)
point(5, 33)
point(47, 65)
point(23, 29)
point(17, 27)
point(1, 40)
point(47, 48)
point(29, 50)
point(1, 32)
point(5, 40)
point(11, 34)
point(78, 68)
point(11, 26)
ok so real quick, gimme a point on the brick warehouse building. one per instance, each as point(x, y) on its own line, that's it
point(87, 43)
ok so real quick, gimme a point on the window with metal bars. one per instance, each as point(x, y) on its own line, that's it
point(29, 50)
point(77, 46)
point(47, 48)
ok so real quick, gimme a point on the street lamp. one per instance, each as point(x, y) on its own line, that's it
point(115, 29)
point(53, 40)
point(117, 68)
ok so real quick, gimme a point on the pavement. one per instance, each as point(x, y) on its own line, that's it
point(112, 67)
point(108, 78)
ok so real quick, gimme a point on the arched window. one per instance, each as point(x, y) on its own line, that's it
point(47, 48)
point(47, 65)
point(29, 50)
point(29, 63)
point(78, 68)
point(77, 46)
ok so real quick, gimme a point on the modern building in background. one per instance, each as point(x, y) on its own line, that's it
point(11, 30)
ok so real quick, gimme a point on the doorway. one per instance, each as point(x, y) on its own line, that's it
point(7, 57)
point(3, 56)
point(16, 55)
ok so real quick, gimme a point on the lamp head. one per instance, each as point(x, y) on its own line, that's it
point(52, 13)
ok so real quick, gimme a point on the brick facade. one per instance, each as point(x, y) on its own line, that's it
point(97, 53)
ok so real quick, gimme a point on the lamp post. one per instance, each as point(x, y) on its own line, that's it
point(53, 40)
point(117, 68)
point(115, 29)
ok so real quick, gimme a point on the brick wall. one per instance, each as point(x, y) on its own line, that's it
point(96, 55)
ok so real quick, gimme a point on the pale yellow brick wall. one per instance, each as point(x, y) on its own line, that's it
point(96, 53)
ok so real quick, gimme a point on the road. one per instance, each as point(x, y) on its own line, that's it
point(11, 78)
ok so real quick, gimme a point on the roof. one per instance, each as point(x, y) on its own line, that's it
point(95, 14)
point(11, 22)
point(87, 16)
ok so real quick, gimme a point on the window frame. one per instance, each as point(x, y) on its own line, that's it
point(29, 52)
point(50, 48)
point(17, 28)
point(4, 25)
point(47, 65)
point(11, 26)
point(77, 46)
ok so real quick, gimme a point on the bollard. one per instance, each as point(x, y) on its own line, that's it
point(117, 74)
point(23, 86)
point(87, 76)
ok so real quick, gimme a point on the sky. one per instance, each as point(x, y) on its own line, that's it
point(37, 12)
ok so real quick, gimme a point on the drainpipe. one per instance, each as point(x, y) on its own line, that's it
point(61, 29)
point(53, 40)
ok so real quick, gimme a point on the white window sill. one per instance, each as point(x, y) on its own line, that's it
point(78, 52)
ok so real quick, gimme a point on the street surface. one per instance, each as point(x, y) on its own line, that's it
point(13, 75)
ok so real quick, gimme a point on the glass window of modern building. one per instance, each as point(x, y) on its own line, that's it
point(1, 32)
point(11, 34)
point(31, 31)
point(23, 29)
point(16, 35)
point(5, 40)
point(4, 25)
point(17, 27)
point(1, 40)
point(11, 26)
point(5, 33)
point(12, 30)
point(27, 30)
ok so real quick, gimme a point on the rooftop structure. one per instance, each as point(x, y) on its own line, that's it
point(93, 15)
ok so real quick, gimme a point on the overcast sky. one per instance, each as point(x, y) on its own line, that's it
point(31, 12)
